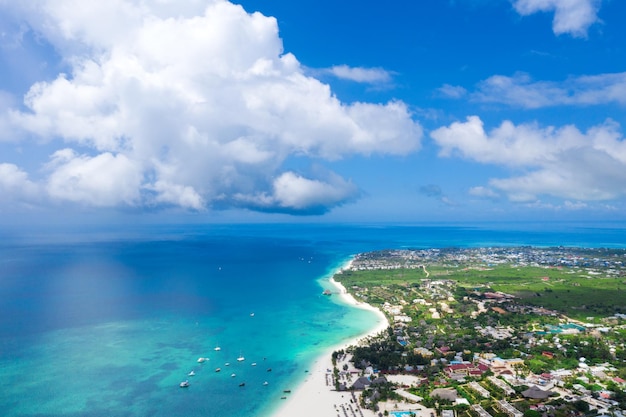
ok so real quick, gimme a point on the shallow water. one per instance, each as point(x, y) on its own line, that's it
point(110, 323)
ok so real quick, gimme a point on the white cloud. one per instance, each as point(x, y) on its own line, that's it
point(195, 100)
point(361, 75)
point(178, 195)
point(572, 17)
point(102, 180)
point(483, 192)
point(574, 205)
point(294, 193)
point(15, 185)
point(452, 91)
point(520, 90)
point(561, 162)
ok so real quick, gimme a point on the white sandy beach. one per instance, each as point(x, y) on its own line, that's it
point(316, 396)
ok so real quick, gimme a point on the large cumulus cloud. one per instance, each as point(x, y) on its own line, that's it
point(193, 104)
point(545, 161)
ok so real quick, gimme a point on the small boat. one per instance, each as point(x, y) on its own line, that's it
point(217, 369)
point(287, 391)
point(242, 384)
point(227, 364)
point(192, 373)
point(253, 363)
point(269, 369)
point(283, 398)
point(266, 383)
point(241, 358)
point(233, 375)
point(184, 384)
point(200, 360)
point(217, 348)
point(251, 314)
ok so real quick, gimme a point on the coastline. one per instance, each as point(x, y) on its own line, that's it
point(315, 397)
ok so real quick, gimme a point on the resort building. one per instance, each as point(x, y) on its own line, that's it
point(423, 352)
point(508, 409)
point(478, 409)
point(465, 369)
point(502, 385)
point(536, 393)
point(479, 389)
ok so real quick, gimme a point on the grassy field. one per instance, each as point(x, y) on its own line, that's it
point(576, 292)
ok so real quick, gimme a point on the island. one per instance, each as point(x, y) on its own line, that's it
point(480, 332)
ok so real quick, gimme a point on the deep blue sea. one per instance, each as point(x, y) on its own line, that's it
point(108, 321)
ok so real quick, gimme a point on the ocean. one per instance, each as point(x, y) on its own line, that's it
point(108, 322)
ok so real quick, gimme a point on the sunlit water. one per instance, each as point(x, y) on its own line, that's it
point(105, 323)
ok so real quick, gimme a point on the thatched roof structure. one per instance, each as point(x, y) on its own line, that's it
point(536, 393)
point(449, 394)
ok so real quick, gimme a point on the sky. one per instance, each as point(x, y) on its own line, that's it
point(342, 110)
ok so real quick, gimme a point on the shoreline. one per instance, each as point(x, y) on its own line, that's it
point(314, 397)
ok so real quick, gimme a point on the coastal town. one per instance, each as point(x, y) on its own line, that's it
point(487, 332)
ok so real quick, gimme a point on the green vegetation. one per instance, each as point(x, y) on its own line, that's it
point(545, 309)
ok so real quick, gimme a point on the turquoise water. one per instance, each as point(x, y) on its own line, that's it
point(109, 322)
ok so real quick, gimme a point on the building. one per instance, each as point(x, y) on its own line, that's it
point(480, 411)
point(461, 370)
point(508, 409)
point(479, 389)
point(502, 385)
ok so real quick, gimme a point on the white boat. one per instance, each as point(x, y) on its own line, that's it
point(200, 360)
point(227, 364)
point(265, 383)
point(251, 314)
point(233, 375)
point(184, 384)
point(253, 363)
point(192, 373)
point(241, 358)
point(217, 348)
point(217, 369)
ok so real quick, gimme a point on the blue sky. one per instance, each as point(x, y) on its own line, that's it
point(406, 110)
